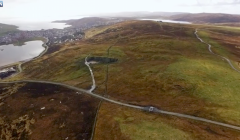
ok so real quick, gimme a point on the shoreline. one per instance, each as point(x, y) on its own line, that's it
point(19, 64)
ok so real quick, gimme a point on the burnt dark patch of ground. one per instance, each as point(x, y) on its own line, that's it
point(50, 113)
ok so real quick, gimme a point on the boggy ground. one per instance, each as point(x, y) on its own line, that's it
point(45, 112)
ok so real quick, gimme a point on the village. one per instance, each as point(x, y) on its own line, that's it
point(55, 36)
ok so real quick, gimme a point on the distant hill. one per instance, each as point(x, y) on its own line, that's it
point(91, 21)
point(207, 18)
point(5, 29)
point(109, 19)
point(142, 14)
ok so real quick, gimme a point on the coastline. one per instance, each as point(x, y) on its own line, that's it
point(19, 64)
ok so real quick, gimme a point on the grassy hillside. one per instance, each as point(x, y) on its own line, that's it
point(4, 29)
point(159, 64)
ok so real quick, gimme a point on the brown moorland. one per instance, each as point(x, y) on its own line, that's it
point(207, 18)
point(227, 38)
point(45, 112)
point(159, 64)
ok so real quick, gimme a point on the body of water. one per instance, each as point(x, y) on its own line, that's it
point(38, 23)
point(33, 25)
point(11, 54)
point(30, 24)
point(169, 21)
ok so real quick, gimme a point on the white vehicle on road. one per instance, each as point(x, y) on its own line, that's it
point(151, 108)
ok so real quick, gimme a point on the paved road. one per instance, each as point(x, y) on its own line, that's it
point(92, 75)
point(76, 89)
point(154, 110)
point(210, 50)
point(197, 119)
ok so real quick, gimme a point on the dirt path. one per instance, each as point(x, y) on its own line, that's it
point(92, 75)
point(210, 50)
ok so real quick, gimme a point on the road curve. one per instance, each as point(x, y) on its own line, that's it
point(92, 75)
point(210, 50)
point(129, 105)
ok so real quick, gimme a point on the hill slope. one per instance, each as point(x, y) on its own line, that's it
point(207, 18)
point(159, 64)
point(5, 29)
point(88, 22)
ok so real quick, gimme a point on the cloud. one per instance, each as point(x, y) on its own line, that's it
point(58, 9)
point(16, 1)
point(201, 3)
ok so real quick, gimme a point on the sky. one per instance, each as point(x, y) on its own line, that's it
point(59, 9)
